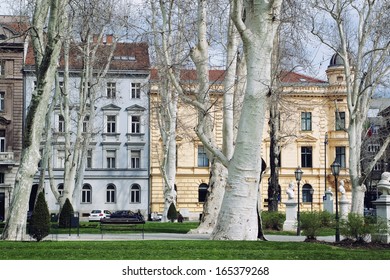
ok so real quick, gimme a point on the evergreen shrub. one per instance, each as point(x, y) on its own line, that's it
point(172, 213)
point(272, 220)
point(65, 215)
point(39, 226)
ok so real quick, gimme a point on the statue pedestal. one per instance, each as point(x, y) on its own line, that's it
point(383, 212)
point(328, 202)
point(344, 207)
point(290, 224)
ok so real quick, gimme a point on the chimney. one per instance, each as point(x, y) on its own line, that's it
point(109, 39)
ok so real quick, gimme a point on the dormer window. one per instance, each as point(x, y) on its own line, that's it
point(340, 78)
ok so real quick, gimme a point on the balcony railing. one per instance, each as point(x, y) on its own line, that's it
point(6, 157)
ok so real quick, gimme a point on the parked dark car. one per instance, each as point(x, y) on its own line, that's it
point(127, 215)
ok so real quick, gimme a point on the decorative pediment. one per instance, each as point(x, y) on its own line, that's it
point(306, 138)
point(4, 121)
point(135, 108)
point(111, 107)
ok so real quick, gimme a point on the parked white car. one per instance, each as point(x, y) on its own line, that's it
point(96, 215)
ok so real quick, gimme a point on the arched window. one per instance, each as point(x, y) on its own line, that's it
point(110, 193)
point(135, 194)
point(86, 194)
point(202, 192)
point(60, 189)
point(307, 195)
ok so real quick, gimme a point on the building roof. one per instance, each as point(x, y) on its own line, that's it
point(219, 75)
point(127, 56)
point(289, 77)
point(13, 30)
point(191, 75)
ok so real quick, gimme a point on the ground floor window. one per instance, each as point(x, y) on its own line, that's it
point(135, 194)
point(86, 194)
point(307, 193)
point(202, 192)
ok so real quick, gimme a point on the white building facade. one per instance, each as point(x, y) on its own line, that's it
point(116, 162)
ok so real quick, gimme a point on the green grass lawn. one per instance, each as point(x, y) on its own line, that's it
point(183, 250)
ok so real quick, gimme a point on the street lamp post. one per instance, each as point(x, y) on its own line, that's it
point(311, 193)
point(336, 171)
point(325, 144)
point(298, 177)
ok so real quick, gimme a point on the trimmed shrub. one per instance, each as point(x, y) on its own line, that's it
point(359, 228)
point(172, 213)
point(39, 226)
point(327, 219)
point(273, 220)
point(311, 224)
point(65, 215)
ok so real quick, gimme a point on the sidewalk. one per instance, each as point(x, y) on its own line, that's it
point(166, 236)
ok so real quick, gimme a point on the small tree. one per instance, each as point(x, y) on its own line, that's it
point(172, 213)
point(65, 215)
point(40, 220)
point(312, 223)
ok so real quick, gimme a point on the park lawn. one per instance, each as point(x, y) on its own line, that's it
point(183, 250)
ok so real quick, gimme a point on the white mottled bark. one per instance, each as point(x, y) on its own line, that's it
point(46, 49)
point(237, 219)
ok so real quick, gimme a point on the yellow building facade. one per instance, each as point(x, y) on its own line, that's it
point(313, 119)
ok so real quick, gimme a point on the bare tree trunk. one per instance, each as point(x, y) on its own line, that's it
point(46, 54)
point(238, 218)
point(218, 172)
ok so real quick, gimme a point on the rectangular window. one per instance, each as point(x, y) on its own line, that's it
point(307, 156)
point(135, 124)
point(2, 141)
point(340, 156)
point(89, 90)
point(60, 158)
point(2, 178)
point(86, 195)
point(61, 123)
point(340, 120)
point(2, 67)
point(2, 101)
point(111, 90)
point(110, 194)
point(373, 148)
point(306, 121)
point(89, 158)
point(136, 90)
point(111, 158)
point(203, 160)
point(111, 124)
point(85, 124)
point(135, 159)
point(378, 166)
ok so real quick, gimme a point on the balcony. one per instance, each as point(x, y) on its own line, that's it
point(7, 158)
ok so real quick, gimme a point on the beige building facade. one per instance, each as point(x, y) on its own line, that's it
point(313, 119)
